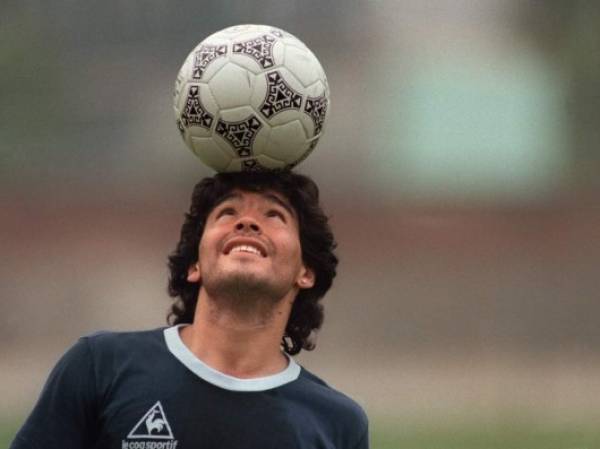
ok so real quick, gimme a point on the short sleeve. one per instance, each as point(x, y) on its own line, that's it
point(65, 414)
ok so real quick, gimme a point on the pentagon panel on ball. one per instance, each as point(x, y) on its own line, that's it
point(251, 97)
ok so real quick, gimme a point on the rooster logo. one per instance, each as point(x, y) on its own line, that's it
point(153, 425)
point(153, 422)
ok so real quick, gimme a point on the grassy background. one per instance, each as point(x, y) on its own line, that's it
point(8, 428)
point(472, 436)
point(513, 435)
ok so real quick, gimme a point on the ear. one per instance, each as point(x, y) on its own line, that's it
point(306, 279)
point(194, 274)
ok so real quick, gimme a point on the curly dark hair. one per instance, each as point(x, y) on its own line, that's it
point(316, 240)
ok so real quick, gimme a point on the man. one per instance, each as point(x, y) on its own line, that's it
point(254, 258)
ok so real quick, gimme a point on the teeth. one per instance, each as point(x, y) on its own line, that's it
point(246, 248)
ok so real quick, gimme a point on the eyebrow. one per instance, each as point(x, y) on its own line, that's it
point(280, 202)
point(268, 196)
point(227, 197)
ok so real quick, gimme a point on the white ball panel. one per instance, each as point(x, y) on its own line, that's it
point(303, 64)
point(234, 166)
point(225, 146)
point(208, 100)
point(283, 117)
point(213, 68)
point(292, 41)
point(232, 86)
point(270, 163)
point(238, 114)
point(317, 89)
point(287, 142)
point(210, 153)
point(308, 124)
point(261, 139)
point(259, 92)
point(197, 131)
point(291, 79)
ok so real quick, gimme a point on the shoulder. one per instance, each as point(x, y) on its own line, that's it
point(336, 398)
point(329, 410)
point(115, 340)
point(332, 402)
point(114, 351)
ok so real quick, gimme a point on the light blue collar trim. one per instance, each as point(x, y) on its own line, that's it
point(211, 375)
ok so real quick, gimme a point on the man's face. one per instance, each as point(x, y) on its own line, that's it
point(251, 248)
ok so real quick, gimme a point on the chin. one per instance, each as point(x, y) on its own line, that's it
point(245, 286)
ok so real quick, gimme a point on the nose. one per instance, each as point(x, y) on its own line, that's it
point(247, 224)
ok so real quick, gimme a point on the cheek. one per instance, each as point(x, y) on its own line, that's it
point(201, 250)
point(207, 241)
point(292, 246)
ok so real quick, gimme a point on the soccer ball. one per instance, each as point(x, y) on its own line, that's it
point(251, 97)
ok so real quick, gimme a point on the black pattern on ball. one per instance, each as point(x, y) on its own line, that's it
point(280, 96)
point(240, 135)
point(316, 108)
point(193, 113)
point(252, 165)
point(261, 49)
point(204, 56)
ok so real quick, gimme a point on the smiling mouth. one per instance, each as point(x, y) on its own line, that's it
point(246, 249)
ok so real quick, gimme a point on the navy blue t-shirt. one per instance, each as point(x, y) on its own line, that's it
point(147, 390)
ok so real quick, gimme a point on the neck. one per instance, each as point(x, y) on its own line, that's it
point(236, 342)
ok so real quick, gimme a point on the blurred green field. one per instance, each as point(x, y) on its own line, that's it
point(7, 432)
point(463, 436)
point(471, 436)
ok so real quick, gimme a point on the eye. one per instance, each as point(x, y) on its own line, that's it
point(275, 214)
point(225, 211)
